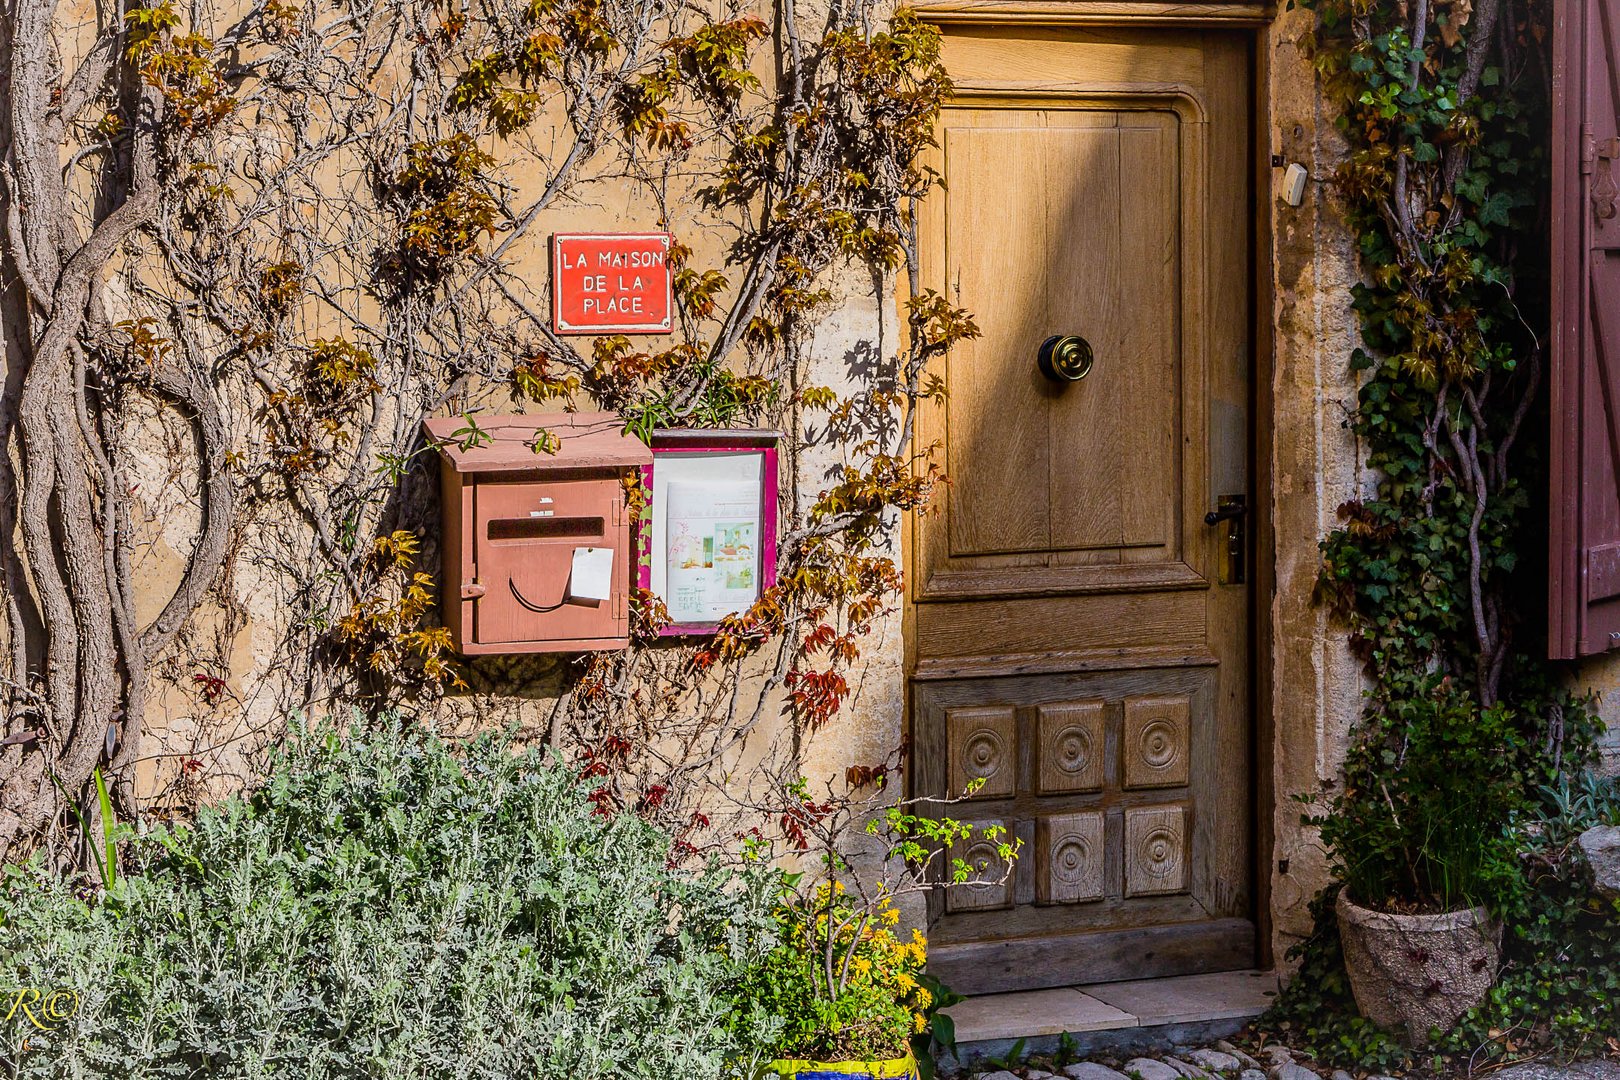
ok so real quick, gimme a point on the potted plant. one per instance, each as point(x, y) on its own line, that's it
point(1423, 840)
point(847, 980)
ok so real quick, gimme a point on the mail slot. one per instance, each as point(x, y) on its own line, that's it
point(536, 545)
point(543, 528)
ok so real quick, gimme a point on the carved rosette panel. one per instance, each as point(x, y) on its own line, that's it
point(1071, 747)
point(1155, 743)
point(1069, 863)
point(988, 868)
point(982, 742)
point(1155, 850)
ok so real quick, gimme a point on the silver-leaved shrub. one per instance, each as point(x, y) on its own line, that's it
point(386, 906)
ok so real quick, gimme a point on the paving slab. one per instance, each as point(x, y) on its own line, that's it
point(1188, 998)
point(1177, 1012)
point(1033, 1013)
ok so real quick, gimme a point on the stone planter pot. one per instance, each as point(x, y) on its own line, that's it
point(895, 1069)
point(1412, 973)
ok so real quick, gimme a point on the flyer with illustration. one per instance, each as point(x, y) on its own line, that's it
point(712, 548)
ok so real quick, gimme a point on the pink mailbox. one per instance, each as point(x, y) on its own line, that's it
point(536, 545)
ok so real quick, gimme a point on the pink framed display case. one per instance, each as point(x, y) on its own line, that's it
point(737, 455)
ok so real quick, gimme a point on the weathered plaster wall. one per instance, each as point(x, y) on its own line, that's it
point(1315, 681)
point(204, 737)
point(197, 735)
point(1601, 676)
point(861, 335)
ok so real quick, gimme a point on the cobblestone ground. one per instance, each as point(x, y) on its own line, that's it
point(1224, 1061)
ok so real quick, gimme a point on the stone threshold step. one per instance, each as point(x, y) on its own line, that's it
point(1120, 1018)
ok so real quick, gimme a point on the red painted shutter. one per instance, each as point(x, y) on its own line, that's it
point(1584, 600)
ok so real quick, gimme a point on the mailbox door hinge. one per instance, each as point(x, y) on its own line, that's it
point(472, 590)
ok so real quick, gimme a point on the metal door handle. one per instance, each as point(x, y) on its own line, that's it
point(1065, 358)
point(1232, 509)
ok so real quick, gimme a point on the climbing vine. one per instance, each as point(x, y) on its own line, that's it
point(1445, 105)
point(286, 233)
point(1466, 735)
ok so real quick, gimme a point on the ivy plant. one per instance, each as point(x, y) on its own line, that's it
point(1444, 109)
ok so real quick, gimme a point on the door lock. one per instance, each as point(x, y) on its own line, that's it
point(1065, 358)
point(1234, 510)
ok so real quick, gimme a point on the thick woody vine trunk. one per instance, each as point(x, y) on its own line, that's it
point(1480, 432)
point(75, 663)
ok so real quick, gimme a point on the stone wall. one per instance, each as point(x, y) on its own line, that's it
point(1315, 682)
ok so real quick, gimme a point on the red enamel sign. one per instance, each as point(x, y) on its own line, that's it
point(611, 283)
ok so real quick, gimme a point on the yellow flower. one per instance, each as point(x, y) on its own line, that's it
point(862, 965)
point(924, 998)
point(891, 916)
point(921, 1022)
point(904, 981)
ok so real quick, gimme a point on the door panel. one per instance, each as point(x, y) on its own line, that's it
point(1080, 643)
point(1059, 262)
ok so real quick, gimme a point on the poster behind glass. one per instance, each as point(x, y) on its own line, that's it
point(710, 530)
point(711, 550)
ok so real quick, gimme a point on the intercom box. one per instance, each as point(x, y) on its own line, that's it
point(535, 543)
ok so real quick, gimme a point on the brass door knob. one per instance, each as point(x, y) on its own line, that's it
point(1065, 358)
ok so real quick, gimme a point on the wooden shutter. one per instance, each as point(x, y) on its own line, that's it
point(1584, 496)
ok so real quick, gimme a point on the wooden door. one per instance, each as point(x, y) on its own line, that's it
point(1080, 640)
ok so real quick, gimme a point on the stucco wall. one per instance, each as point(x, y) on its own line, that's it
point(204, 738)
point(243, 645)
